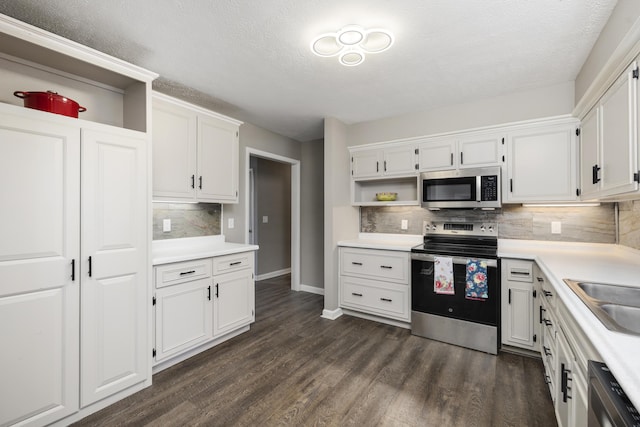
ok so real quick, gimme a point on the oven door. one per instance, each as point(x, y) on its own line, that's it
point(424, 298)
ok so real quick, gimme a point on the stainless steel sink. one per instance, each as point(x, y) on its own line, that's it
point(614, 294)
point(616, 306)
point(626, 316)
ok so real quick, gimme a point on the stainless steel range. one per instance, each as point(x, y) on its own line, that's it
point(455, 285)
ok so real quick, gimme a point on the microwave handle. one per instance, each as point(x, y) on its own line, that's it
point(478, 187)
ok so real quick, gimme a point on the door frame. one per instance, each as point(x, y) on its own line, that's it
point(295, 206)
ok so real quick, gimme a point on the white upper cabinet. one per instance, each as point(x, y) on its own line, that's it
point(195, 153)
point(609, 147)
point(542, 164)
point(174, 151)
point(393, 160)
point(477, 150)
point(470, 150)
point(437, 154)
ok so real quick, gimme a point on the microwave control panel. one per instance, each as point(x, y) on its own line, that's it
point(489, 188)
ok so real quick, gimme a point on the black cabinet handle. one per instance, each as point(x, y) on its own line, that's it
point(217, 295)
point(519, 273)
point(535, 293)
point(541, 315)
point(209, 293)
point(564, 383)
point(356, 263)
point(193, 181)
point(388, 267)
point(184, 273)
point(356, 294)
point(547, 293)
point(200, 182)
point(547, 379)
point(461, 159)
point(511, 185)
point(509, 295)
point(73, 270)
point(540, 279)
point(385, 299)
point(385, 165)
point(547, 322)
point(451, 159)
point(89, 266)
point(235, 263)
point(594, 174)
point(377, 167)
point(547, 351)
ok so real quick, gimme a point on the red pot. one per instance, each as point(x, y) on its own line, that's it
point(51, 102)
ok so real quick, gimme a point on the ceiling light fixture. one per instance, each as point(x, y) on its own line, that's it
point(351, 43)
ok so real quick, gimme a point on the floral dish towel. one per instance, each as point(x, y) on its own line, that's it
point(443, 276)
point(476, 287)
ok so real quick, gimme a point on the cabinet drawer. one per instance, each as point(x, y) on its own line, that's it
point(233, 262)
point(519, 271)
point(180, 272)
point(385, 299)
point(375, 264)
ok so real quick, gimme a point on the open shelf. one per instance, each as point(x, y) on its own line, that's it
point(363, 192)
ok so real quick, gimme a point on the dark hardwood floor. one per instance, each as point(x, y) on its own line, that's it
point(295, 368)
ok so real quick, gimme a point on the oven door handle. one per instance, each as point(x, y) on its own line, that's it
point(456, 260)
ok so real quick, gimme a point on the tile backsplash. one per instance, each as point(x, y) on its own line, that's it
point(578, 224)
point(187, 219)
point(629, 219)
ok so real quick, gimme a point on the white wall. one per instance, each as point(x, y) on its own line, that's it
point(538, 103)
point(312, 214)
point(340, 218)
point(624, 15)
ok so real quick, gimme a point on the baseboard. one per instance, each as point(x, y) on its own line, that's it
point(312, 289)
point(273, 274)
point(331, 314)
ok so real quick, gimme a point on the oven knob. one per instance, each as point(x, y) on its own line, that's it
point(491, 229)
point(482, 228)
point(433, 227)
point(450, 310)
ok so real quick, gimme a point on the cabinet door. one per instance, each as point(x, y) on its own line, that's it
point(39, 225)
point(479, 150)
point(589, 156)
point(617, 115)
point(367, 163)
point(437, 155)
point(183, 317)
point(400, 160)
point(174, 152)
point(234, 301)
point(217, 179)
point(564, 381)
point(517, 320)
point(542, 164)
point(114, 344)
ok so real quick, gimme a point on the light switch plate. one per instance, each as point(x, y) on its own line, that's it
point(166, 225)
point(556, 227)
point(265, 219)
point(404, 224)
point(231, 223)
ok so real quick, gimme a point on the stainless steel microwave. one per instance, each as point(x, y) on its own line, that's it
point(476, 188)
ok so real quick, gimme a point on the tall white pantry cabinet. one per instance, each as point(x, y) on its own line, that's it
point(74, 231)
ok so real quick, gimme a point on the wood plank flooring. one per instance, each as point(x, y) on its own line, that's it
point(295, 368)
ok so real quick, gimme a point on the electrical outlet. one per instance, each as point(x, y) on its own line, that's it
point(404, 224)
point(231, 223)
point(166, 225)
point(556, 227)
point(265, 219)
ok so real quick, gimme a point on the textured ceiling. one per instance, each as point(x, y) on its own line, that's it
point(252, 58)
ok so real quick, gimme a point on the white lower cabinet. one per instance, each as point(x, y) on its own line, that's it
point(200, 301)
point(375, 282)
point(519, 328)
point(73, 264)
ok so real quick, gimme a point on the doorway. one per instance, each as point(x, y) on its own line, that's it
point(254, 220)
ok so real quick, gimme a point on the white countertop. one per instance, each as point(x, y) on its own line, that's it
point(606, 263)
point(188, 248)
point(389, 242)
